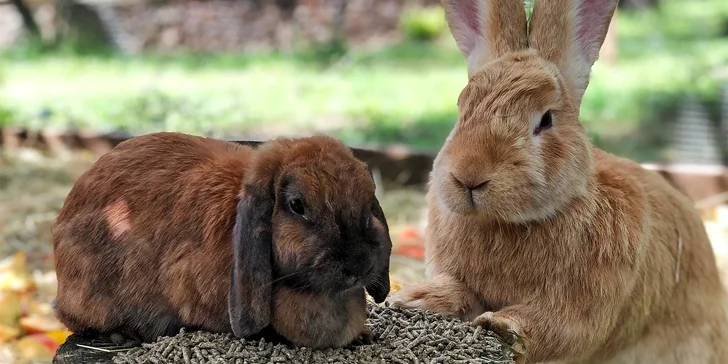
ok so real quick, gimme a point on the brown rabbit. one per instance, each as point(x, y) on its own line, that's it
point(170, 230)
point(573, 254)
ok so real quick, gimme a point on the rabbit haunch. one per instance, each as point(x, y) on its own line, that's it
point(170, 230)
point(570, 253)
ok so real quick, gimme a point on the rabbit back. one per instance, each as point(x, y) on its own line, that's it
point(142, 244)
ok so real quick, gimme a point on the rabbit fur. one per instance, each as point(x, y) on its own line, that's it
point(570, 254)
point(171, 230)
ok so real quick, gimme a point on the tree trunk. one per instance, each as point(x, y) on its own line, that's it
point(85, 26)
point(338, 39)
point(28, 20)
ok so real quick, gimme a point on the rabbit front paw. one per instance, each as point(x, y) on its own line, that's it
point(365, 337)
point(508, 330)
point(408, 297)
point(444, 296)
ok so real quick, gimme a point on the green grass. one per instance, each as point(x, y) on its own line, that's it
point(234, 94)
point(406, 93)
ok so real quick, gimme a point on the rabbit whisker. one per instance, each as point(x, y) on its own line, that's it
point(302, 288)
point(288, 275)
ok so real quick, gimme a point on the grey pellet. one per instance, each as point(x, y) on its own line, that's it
point(400, 336)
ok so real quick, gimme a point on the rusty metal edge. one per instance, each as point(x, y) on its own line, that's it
point(395, 165)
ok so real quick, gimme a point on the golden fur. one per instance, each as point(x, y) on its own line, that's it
point(566, 251)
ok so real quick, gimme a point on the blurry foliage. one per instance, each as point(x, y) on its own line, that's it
point(420, 132)
point(423, 24)
point(404, 93)
point(528, 5)
point(234, 94)
point(69, 47)
point(157, 111)
point(6, 115)
point(676, 20)
point(324, 54)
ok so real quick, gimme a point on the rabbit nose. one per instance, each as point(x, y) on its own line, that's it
point(351, 281)
point(469, 184)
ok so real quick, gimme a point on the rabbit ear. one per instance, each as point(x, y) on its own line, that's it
point(252, 272)
point(486, 29)
point(379, 287)
point(570, 33)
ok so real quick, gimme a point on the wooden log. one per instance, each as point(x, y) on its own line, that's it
point(71, 353)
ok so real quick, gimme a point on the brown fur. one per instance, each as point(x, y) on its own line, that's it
point(143, 242)
point(345, 318)
point(586, 256)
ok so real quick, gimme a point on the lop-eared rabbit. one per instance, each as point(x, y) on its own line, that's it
point(170, 230)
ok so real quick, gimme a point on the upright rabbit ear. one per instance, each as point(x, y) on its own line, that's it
point(486, 29)
point(251, 274)
point(570, 33)
point(379, 287)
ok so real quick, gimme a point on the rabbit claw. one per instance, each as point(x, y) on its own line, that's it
point(508, 331)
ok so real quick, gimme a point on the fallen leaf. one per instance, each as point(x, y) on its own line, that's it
point(10, 308)
point(408, 233)
point(59, 337)
point(36, 347)
point(394, 284)
point(8, 333)
point(411, 251)
point(14, 275)
point(40, 324)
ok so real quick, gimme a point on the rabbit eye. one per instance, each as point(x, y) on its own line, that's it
point(296, 206)
point(545, 123)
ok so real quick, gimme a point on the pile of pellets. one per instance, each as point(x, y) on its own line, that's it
point(400, 336)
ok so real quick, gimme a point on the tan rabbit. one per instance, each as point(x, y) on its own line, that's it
point(572, 254)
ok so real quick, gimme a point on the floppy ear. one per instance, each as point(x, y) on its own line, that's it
point(251, 274)
point(569, 33)
point(379, 287)
point(486, 29)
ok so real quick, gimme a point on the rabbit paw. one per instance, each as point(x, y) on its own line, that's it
point(508, 330)
point(415, 296)
point(443, 294)
point(364, 338)
point(424, 297)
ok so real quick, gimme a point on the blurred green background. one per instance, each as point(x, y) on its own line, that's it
point(400, 88)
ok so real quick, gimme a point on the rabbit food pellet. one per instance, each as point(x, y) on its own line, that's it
point(400, 336)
